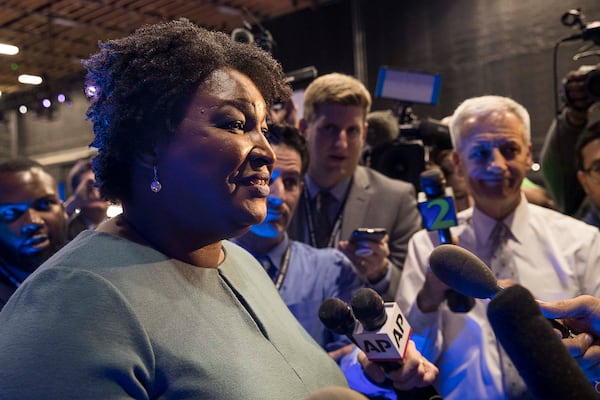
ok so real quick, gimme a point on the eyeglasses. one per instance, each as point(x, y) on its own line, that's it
point(593, 171)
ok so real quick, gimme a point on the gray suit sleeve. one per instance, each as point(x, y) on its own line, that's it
point(407, 223)
point(72, 336)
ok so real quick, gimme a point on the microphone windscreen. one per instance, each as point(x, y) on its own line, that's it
point(534, 348)
point(337, 316)
point(368, 307)
point(463, 271)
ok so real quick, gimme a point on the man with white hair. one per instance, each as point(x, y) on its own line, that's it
point(553, 255)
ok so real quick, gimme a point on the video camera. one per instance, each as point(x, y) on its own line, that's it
point(405, 157)
point(592, 81)
point(587, 32)
point(256, 34)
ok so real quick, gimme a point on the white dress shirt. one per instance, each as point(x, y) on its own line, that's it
point(556, 257)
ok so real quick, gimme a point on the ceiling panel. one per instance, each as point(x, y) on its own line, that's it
point(54, 35)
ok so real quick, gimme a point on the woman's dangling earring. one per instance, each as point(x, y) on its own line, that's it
point(155, 186)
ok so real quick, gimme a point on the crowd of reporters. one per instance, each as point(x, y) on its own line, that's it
point(169, 299)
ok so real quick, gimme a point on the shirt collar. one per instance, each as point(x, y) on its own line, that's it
point(276, 253)
point(338, 191)
point(516, 222)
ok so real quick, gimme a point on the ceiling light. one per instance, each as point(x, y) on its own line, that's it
point(30, 79)
point(228, 10)
point(69, 23)
point(8, 49)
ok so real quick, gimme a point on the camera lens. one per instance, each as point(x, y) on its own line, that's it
point(592, 84)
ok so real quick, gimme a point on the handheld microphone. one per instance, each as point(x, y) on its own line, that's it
point(542, 360)
point(464, 272)
point(383, 332)
point(436, 205)
point(387, 342)
point(337, 316)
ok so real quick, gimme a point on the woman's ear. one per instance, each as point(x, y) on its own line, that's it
point(151, 155)
point(148, 159)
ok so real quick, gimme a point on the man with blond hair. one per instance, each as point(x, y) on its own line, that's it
point(340, 196)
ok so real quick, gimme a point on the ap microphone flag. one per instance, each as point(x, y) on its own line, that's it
point(383, 332)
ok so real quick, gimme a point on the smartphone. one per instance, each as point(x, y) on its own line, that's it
point(363, 234)
point(373, 234)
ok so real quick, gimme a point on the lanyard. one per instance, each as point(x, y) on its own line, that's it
point(285, 262)
point(310, 219)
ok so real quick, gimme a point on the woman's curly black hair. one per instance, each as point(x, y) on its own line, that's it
point(144, 82)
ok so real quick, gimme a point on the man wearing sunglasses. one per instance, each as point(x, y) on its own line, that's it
point(32, 222)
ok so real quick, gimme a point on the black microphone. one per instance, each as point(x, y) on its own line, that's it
point(436, 205)
point(337, 316)
point(538, 354)
point(377, 328)
point(464, 272)
point(375, 336)
point(383, 333)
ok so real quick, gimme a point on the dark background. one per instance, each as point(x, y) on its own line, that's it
point(502, 47)
point(479, 47)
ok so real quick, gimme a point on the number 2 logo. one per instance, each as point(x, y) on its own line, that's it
point(440, 221)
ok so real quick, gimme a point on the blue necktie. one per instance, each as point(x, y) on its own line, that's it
point(268, 266)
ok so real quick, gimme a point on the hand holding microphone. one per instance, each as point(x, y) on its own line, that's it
point(582, 314)
point(387, 351)
point(379, 329)
point(436, 205)
point(467, 274)
point(528, 338)
point(383, 332)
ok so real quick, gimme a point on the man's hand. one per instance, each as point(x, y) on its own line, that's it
point(415, 371)
point(432, 294)
point(373, 262)
point(577, 99)
point(582, 315)
point(586, 351)
point(341, 352)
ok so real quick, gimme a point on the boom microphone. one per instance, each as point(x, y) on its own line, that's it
point(538, 354)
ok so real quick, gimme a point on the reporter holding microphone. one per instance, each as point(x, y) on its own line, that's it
point(552, 255)
point(582, 315)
